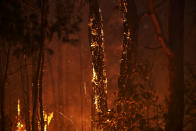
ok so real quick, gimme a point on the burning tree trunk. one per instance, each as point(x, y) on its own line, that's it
point(176, 68)
point(128, 60)
point(99, 81)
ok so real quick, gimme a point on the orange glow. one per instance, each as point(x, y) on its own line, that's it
point(47, 119)
point(20, 126)
point(18, 107)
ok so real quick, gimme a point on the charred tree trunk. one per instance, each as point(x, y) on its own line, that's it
point(36, 83)
point(34, 119)
point(35, 91)
point(3, 79)
point(128, 59)
point(44, 9)
point(99, 80)
point(176, 68)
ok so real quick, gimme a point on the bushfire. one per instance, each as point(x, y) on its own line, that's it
point(20, 122)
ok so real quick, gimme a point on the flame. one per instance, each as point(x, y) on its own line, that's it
point(50, 117)
point(96, 102)
point(18, 107)
point(20, 126)
point(95, 77)
point(47, 119)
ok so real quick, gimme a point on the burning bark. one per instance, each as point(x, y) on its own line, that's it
point(99, 80)
point(128, 61)
point(20, 125)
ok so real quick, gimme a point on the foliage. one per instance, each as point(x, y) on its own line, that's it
point(20, 24)
point(67, 21)
point(190, 97)
point(12, 22)
point(140, 108)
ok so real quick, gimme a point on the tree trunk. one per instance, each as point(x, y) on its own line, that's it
point(99, 81)
point(61, 106)
point(37, 74)
point(35, 91)
point(55, 98)
point(40, 93)
point(3, 79)
point(66, 96)
point(128, 59)
point(81, 90)
point(26, 93)
point(176, 66)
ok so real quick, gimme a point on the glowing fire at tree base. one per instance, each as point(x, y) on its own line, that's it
point(21, 126)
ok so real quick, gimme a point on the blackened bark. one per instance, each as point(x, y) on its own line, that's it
point(176, 68)
point(128, 60)
point(37, 74)
point(35, 91)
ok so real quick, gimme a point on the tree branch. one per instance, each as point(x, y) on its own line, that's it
point(153, 48)
point(159, 30)
point(156, 7)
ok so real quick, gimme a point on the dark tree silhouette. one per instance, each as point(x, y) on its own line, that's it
point(10, 34)
point(176, 66)
point(39, 69)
